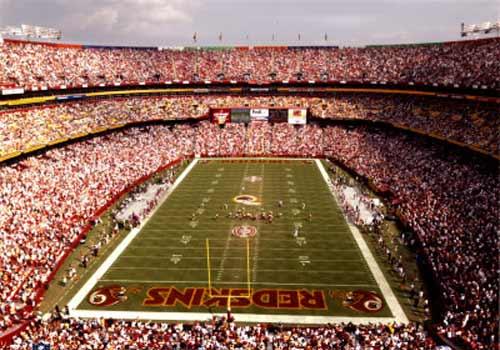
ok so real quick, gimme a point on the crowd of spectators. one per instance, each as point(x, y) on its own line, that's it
point(42, 212)
point(25, 128)
point(449, 200)
point(142, 200)
point(472, 123)
point(465, 63)
point(219, 334)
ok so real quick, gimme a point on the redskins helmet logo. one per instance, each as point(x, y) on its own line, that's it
point(246, 199)
point(108, 296)
point(360, 300)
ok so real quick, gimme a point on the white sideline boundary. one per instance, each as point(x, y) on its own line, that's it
point(91, 282)
point(393, 303)
point(385, 288)
point(252, 318)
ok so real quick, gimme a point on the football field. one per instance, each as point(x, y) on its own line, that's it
point(264, 237)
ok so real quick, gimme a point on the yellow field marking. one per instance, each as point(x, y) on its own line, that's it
point(209, 268)
point(248, 265)
point(209, 274)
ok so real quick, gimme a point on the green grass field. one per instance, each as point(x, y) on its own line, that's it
point(180, 263)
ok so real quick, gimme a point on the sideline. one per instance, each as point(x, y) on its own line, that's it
point(377, 273)
point(241, 317)
point(91, 282)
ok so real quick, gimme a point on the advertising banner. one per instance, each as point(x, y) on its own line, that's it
point(278, 115)
point(13, 91)
point(297, 116)
point(240, 115)
point(259, 113)
point(220, 115)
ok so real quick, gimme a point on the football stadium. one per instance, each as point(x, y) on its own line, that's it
point(292, 195)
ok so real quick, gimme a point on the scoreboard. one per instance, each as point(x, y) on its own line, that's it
point(246, 115)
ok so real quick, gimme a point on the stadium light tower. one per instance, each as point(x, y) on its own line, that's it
point(31, 32)
point(483, 28)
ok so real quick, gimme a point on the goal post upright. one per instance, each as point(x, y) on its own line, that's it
point(248, 273)
point(209, 269)
point(248, 267)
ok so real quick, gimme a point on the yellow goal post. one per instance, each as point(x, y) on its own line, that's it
point(209, 275)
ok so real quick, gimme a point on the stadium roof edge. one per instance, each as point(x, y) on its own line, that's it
point(228, 47)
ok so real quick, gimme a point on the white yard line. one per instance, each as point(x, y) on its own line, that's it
point(240, 317)
point(204, 258)
point(377, 273)
point(175, 239)
point(300, 284)
point(317, 220)
point(343, 272)
point(241, 248)
point(287, 232)
point(87, 287)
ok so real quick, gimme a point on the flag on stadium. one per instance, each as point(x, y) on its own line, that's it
point(41, 346)
point(195, 36)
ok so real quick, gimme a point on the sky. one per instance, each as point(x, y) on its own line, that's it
point(251, 22)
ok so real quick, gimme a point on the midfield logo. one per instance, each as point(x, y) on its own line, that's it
point(246, 199)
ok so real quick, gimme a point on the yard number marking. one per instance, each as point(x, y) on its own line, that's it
point(301, 241)
point(186, 239)
point(304, 260)
point(176, 258)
